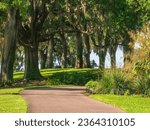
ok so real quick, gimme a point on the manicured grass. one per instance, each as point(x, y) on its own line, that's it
point(50, 72)
point(131, 104)
point(44, 72)
point(15, 91)
point(12, 102)
point(18, 75)
point(10, 91)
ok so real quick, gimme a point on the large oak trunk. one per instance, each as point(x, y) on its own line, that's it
point(50, 63)
point(102, 49)
point(102, 55)
point(9, 48)
point(1, 47)
point(31, 64)
point(79, 57)
point(64, 52)
point(32, 71)
point(87, 51)
point(112, 51)
point(43, 58)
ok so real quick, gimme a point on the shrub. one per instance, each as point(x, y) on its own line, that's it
point(122, 84)
point(73, 77)
point(112, 82)
point(143, 85)
point(105, 85)
point(141, 67)
point(6, 84)
point(91, 87)
point(127, 93)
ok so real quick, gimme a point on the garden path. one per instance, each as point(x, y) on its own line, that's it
point(64, 100)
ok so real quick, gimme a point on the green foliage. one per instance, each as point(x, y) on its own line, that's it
point(121, 83)
point(73, 77)
point(91, 86)
point(20, 4)
point(112, 82)
point(6, 84)
point(127, 93)
point(143, 85)
point(142, 71)
point(142, 67)
point(23, 6)
point(67, 76)
point(132, 104)
point(106, 83)
point(3, 6)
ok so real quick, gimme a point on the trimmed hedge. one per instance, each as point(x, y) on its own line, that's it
point(73, 76)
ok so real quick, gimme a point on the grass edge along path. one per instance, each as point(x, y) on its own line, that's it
point(131, 104)
point(12, 102)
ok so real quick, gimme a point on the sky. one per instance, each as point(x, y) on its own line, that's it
point(119, 58)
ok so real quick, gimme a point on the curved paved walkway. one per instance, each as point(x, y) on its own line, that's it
point(64, 100)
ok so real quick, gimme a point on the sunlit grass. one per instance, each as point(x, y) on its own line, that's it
point(10, 91)
point(49, 72)
point(131, 104)
point(18, 75)
point(12, 102)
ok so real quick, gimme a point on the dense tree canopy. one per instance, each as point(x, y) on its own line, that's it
point(65, 31)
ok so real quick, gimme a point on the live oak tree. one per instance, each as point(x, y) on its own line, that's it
point(70, 29)
point(12, 10)
point(116, 20)
point(9, 47)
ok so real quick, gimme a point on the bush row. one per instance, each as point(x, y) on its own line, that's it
point(119, 83)
point(73, 77)
point(6, 84)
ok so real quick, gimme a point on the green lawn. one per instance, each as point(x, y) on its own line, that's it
point(49, 72)
point(131, 104)
point(12, 102)
point(10, 91)
point(44, 72)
